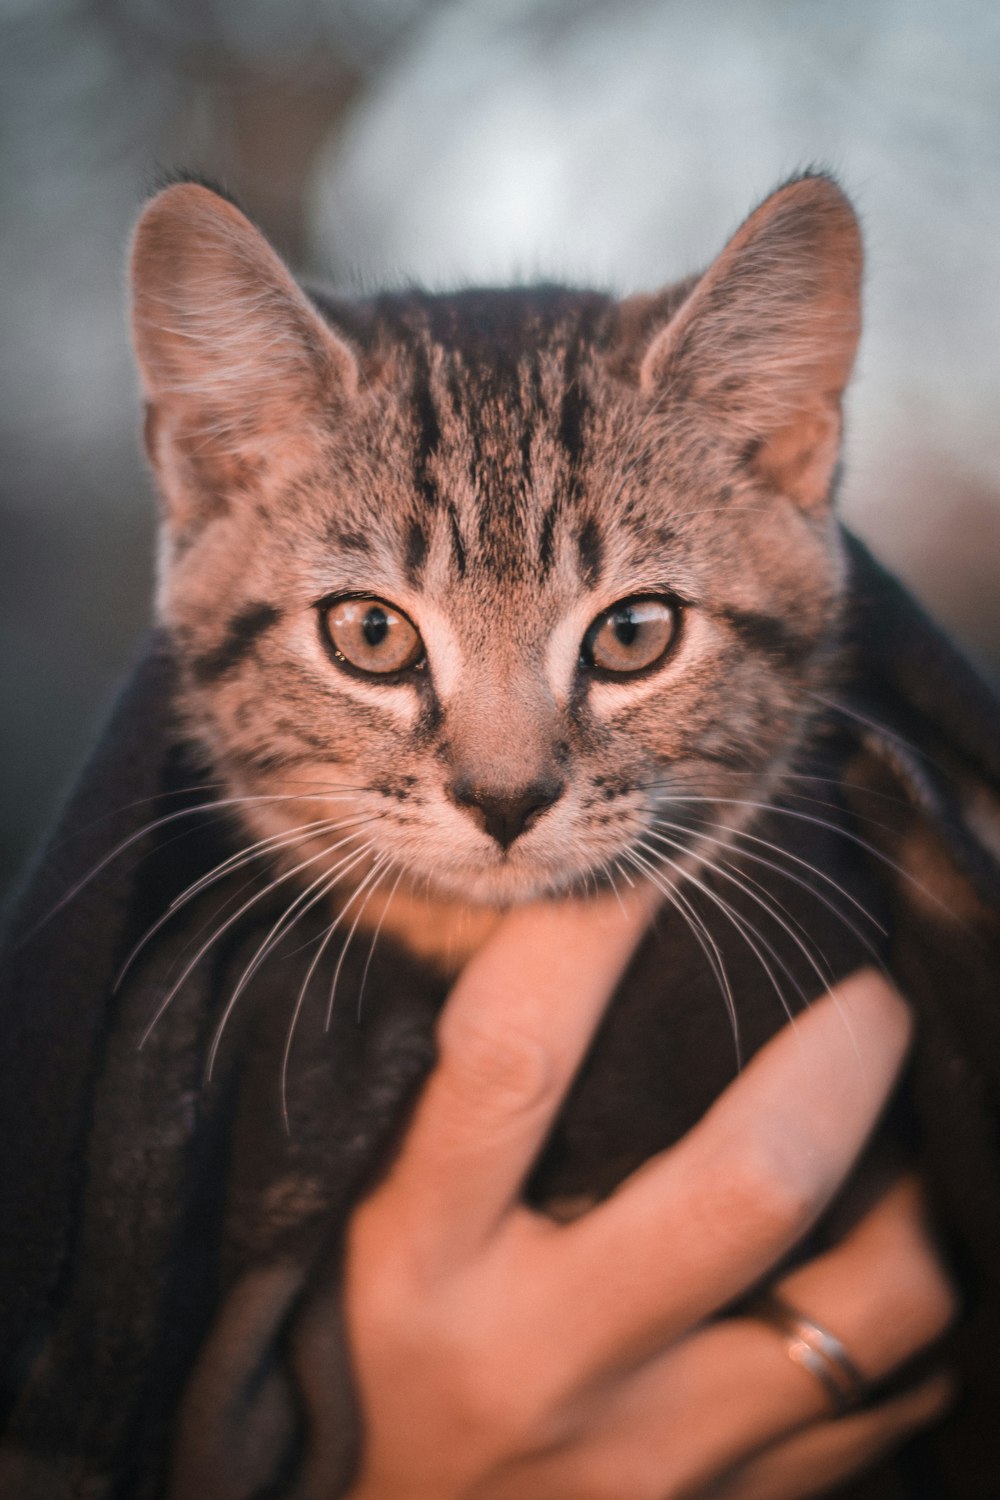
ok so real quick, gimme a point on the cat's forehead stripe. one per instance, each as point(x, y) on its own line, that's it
point(416, 553)
point(500, 405)
point(546, 536)
point(574, 410)
point(591, 551)
point(428, 425)
point(457, 544)
point(348, 541)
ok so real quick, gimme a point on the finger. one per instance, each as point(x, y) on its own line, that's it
point(698, 1225)
point(731, 1391)
point(652, 1447)
point(512, 1034)
point(883, 1291)
point(815, 1461)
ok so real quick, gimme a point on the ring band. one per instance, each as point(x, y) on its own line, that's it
point(815, 1348)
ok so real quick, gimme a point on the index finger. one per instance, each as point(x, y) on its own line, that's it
point(699, 1224)
point(511, 1036)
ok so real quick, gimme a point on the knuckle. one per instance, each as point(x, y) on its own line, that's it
point(914, 1277)
point(396, 1322)
point(763, 1198)
point(487, 1394)
point(447, 1333)
point(938, 1304)
point(500, 1409)
point(495, 1069)
point(382, 1276)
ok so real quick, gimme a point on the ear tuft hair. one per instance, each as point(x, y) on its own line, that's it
point(230, 349)
point(764, 344)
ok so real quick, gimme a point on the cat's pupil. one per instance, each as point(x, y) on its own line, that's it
point(626, 625)
point(375, 626)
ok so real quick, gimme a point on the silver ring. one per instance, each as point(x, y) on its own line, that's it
point(814, 1348)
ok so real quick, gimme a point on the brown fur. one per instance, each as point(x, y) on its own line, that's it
point(502, 467)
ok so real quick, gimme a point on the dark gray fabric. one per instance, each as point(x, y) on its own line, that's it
point(168, 1287)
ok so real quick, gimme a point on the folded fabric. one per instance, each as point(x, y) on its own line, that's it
point(173, 1196)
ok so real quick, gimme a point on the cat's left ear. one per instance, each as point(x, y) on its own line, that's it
point(763, 346)
point(237, 365)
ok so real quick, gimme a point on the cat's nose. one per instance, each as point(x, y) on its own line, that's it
point(505, 815)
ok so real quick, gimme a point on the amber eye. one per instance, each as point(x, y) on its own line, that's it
point(631, 635)
point(371, 636)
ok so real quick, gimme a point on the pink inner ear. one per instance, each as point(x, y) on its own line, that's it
point(234, 358)
point(764, 344)
point(799, 460)
point(217, 318)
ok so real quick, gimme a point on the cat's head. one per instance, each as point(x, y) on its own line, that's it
point(499, 592)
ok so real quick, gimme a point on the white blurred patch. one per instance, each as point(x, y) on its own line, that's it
point(621, 143)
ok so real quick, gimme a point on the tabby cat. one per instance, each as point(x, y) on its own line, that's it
point(474, 599)
point(464, 600)
point(494, 595)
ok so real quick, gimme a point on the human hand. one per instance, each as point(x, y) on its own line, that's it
point(500, 1355)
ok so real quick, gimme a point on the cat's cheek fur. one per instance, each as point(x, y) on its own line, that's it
point(502, 466)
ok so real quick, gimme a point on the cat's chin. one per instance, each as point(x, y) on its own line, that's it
point(444, 925)
point(504, 886)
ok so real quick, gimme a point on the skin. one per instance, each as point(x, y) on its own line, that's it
point(500, 1355)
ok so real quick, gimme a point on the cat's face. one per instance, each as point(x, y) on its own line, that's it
point(498, 594)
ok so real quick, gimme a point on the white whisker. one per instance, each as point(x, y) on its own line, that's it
point(866, 723)
point(773, 909)
point(274, 843)
point(343, 954)
point(317, 890)
point(375, 937)
point(225, 926)
point(379, 865)
point(789, 875)
point(746, 930)
point(326, 883)
point(212, 805)
point(705, 940)
point(790, 812)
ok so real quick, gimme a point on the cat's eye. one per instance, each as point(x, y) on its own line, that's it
point(631, 636)
point(371, 636)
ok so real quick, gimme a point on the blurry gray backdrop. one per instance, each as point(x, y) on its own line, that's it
point(615, 141)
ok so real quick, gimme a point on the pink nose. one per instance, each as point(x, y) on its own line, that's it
point(505, 815)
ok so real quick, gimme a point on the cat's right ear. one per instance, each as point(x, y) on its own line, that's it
point(238, 368)
point(759, 352)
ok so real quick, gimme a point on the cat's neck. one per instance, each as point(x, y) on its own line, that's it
point(440, 932)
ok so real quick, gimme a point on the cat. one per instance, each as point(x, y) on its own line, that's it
point(469, 590)
point(498, 595)
point(464, 600)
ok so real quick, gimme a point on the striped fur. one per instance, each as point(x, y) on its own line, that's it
point(501, 465)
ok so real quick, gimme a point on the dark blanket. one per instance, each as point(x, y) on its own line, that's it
point(169, 1316)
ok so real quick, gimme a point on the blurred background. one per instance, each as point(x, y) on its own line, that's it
point(608, 141)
